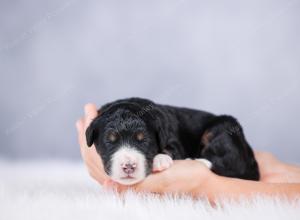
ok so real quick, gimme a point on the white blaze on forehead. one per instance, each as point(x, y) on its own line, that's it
point(127, 154)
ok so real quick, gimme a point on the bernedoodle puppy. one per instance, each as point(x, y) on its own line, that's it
point(137, 136)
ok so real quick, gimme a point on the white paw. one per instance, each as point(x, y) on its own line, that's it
point(207, 163)
point(161, 162)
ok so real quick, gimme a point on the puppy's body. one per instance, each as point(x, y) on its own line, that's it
point(177, 132)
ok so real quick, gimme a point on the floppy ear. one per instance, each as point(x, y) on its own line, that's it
point(91, 134)
point(92, 131)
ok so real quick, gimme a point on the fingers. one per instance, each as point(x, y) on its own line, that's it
point(91, 112)
point(79, 124)
point(155, 182)
point(179, 177)
point(80, 131)
point(110, 184)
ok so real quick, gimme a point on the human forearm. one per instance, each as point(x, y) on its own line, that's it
point(224, 187)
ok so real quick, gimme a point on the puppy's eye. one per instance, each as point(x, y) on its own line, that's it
point(112, 137)
point(139, 136)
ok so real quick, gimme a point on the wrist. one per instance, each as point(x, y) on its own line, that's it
point(207, 185)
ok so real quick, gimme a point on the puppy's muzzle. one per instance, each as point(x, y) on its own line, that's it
point(128, 165)
point(129, 168)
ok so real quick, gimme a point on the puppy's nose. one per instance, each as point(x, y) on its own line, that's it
point(129, 168)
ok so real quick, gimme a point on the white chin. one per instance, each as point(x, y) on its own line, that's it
point(127, 181)
point(128, 154)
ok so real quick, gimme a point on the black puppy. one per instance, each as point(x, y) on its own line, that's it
point(136, 136)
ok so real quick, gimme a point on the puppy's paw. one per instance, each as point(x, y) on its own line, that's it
point(161, 162)
point(207, 163)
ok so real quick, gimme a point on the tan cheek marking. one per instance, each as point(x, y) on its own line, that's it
point(112, 137)
point(140, 136)
point(206, 138)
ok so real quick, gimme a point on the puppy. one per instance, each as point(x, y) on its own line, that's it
point(137, 136)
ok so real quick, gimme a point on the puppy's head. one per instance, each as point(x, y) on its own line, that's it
point(126, 141)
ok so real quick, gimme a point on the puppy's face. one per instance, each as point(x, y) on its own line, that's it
point(126, 144)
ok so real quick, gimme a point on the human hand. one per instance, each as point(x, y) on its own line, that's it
point(273, 170)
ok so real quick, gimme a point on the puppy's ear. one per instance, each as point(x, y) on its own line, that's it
point(91, 134)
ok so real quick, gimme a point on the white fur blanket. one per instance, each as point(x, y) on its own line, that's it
point(63, 190)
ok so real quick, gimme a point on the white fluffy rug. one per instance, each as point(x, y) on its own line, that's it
point(63, 190)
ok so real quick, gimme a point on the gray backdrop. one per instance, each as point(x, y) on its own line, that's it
point(234, 57)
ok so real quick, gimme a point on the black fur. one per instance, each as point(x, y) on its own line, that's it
point(180, 132)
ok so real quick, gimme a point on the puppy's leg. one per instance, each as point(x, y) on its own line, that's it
point(165, 159)
point(225, 146)
point(162, 162)
point(206, 162)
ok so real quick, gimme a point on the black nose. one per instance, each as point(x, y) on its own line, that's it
point(129, 168)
